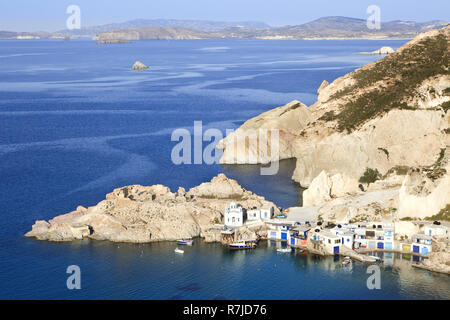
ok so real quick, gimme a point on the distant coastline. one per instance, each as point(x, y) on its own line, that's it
point(326, 28)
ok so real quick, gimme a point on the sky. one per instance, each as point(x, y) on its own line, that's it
point(50, 15)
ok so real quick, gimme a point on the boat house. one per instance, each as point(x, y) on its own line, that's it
point(331, 242)
point(421, 244)
point(298, 236)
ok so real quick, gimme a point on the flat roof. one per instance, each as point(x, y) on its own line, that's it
point(436, 226)
point(302, 214)
point(280, 222)
point(303, 228)
point(328, 234)
point(422, 236)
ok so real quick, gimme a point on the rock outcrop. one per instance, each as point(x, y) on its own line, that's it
point(424, 194)
point(381, 51)
point(439, 259)
point(145, 214)
point(323, 85)
point(325, 187)
point(139, 66)
point(240, 146)
point(390, 113)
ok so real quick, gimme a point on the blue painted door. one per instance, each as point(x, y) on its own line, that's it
point(380, 245)
point(293, 241)
point(416, 249)
point(424, 251)
point(284, 236)
point(336, 250)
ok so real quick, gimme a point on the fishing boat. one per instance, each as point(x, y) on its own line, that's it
point(375, 258)
point(178, 251)
point(187, 242)
point(346, 261)
point(284, 250)
point(243, 244)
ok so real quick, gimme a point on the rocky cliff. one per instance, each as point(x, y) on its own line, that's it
point(388, 114)
point(145, 214)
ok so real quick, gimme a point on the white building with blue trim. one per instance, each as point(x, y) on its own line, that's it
point(421, 244)
point(235, 215)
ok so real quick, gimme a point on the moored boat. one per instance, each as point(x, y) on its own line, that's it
point(178, 251)
point(187, 242)
point(346, 261)
point(375, 258)
point(243, 244)
point(284, 250)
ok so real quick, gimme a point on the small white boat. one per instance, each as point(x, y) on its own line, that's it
point(179, 251)
point(187, 242)
point(285, 250)
point(375, 258)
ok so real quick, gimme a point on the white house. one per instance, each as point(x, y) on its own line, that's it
point(347, 239)
point(235, 215)
point(267, 213)
point(331, 242)
point(421, 243)
point(299, 235)
point(253, 214)
point(279, 230)
point(375, 235)
point(264, 213)
point(434, 230)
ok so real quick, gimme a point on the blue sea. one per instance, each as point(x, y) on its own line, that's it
point(77, 122)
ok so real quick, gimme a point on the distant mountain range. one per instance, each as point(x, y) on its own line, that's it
point(199, 25)
point(342, 27)
point(323, 28)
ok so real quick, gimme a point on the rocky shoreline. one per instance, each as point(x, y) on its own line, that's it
point(359, 165)
point(370, 148)
point(146, 214)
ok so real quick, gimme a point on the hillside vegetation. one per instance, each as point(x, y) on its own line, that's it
point(390, 82)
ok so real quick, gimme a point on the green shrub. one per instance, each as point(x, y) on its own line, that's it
point(401, 73)
point(446, 106)
point(443, 215)
point(370, 176)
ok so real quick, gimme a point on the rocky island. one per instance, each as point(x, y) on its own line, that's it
point(381, 51)
point(146, 214)
point(139, 66)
